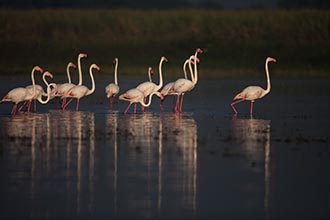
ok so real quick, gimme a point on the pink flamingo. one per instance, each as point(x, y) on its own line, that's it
point(65, 87)
point(80, 91)
point(39, 92)
point(136, 96)
point(181, 86)
point(251, 93)
point(20, 94)
point(149, 87)
point(112, 89)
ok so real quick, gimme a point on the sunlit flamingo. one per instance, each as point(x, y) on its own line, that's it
point(181, 86)
point(20, 94)
point(168, 88)
point(149, 87)
point(112, 89)
point(136, 96)
point(80, 91)
point(64, 88)
point(251, 93)
point(39, 91)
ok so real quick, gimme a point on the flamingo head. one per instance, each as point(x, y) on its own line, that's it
point(271, 59)
point(239, 96)
point(38, 68)
point(165, 59)
point(199, 50)
point(72, 65)
point(97, 67)
point(49, 74)
point(151, 71)
point(115, 60)
point(81, 55)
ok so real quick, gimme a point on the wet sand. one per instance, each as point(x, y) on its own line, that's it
point(201, 164)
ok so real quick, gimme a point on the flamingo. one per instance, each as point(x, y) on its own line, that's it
point(64, 88)
point(149, 87)
point(49, 93)
point(168, 88)
point(20, 94)
point(181, 86)
point(112, 89)
point(39, 91)
point(251, 93)
point(80, 91)
point(136, 96)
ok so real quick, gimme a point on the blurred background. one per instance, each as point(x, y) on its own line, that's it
point(237, 35)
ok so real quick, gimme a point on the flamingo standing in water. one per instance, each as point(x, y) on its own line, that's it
point(112, 89)
point(136, 96)
point(80, 91)
point(251, 93)
point(20, 94)
point(65, 87)
point(181, 86)
point(149, 87)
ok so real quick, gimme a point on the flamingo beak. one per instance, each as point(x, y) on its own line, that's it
point(161, 97)
point(74, 66)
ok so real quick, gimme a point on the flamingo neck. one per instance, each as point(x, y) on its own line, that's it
point(79, 71)
point(44, 78)
point(184, 68)
point(150, 98)
point(68, 72)
point(268, 78)
point(48, 94)
point(160, 74)
point(33, 81)
point(149, 74)
point(195, 68)
point(191, 71)
point(116, 69)
point(90, 91)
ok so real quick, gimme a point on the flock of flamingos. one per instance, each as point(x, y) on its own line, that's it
point(139, 94)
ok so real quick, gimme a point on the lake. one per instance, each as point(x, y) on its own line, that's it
point(205, 163)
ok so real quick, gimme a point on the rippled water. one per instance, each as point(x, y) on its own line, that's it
point(202, 164)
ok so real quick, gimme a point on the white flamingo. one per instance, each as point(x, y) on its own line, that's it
point(39, 91)
point(20, 94)
point(136, 96)
point(112, 89)
point(181, 86)
point(80, 91)
point(63, 89)
point(149, 87)
point(251, 93)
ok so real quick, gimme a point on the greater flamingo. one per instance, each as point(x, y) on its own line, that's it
point(80, 91)
point(64, 88)
point(251, 93)
point(112, 89)
point(20, 94)
point(181, 86)
point(149, 87)
point(136, 96)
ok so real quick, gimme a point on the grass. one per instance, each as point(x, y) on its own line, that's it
point(236, 42)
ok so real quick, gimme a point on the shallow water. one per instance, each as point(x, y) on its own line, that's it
point(202, 164)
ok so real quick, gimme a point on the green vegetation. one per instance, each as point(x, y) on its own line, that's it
point(236, 42)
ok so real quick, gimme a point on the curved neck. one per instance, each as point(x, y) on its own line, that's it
point(79, 71)
point(160, 85)
point(195, 68)
point(44, 78)
point(33, 81)
point(150, 98)
point(268, 78)
point(191, 71)
point(48, 94)
point(116, 69)
point(90, 91)
point(68, 72)
point(184, 68)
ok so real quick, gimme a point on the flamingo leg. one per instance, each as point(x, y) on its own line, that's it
point(234, 103)
point(63, 102)
point(66, 104)
point(35, 106)
point(251, 108)
point(28, 106)
point(13, 111)
point(126, 110)
point(77, 105)
point(181, 101)
point(176, 108)
point(142, 107)
point(20, 108)
point(134, 108)
point(111, 101)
